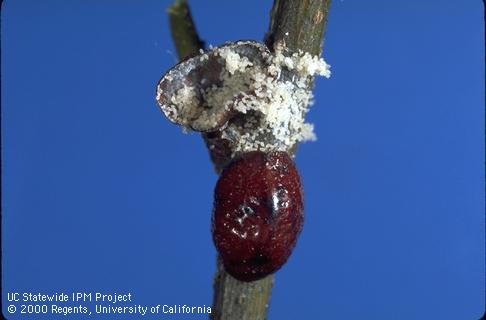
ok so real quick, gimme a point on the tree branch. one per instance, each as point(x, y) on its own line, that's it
point(184, 34)
point(298, 25)
point(234, 299)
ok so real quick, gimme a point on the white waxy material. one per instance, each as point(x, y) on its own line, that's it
point(268, 93)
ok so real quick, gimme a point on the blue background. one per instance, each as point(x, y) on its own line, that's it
point(102, 193)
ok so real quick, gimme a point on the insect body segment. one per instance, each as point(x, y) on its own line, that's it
point(258, 214)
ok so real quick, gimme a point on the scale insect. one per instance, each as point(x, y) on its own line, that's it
point(249, 103)
point(258, 214)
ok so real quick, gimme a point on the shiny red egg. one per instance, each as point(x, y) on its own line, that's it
point(258, 214)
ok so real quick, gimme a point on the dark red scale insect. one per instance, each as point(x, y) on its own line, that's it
point(258, 214)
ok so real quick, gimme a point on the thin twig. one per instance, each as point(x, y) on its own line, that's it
point(298, 25)
point(183, 30)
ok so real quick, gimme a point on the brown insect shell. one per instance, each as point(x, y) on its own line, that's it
point(258, 214)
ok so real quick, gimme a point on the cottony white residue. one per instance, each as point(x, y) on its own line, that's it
point(280, 104)
point(272, 92)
